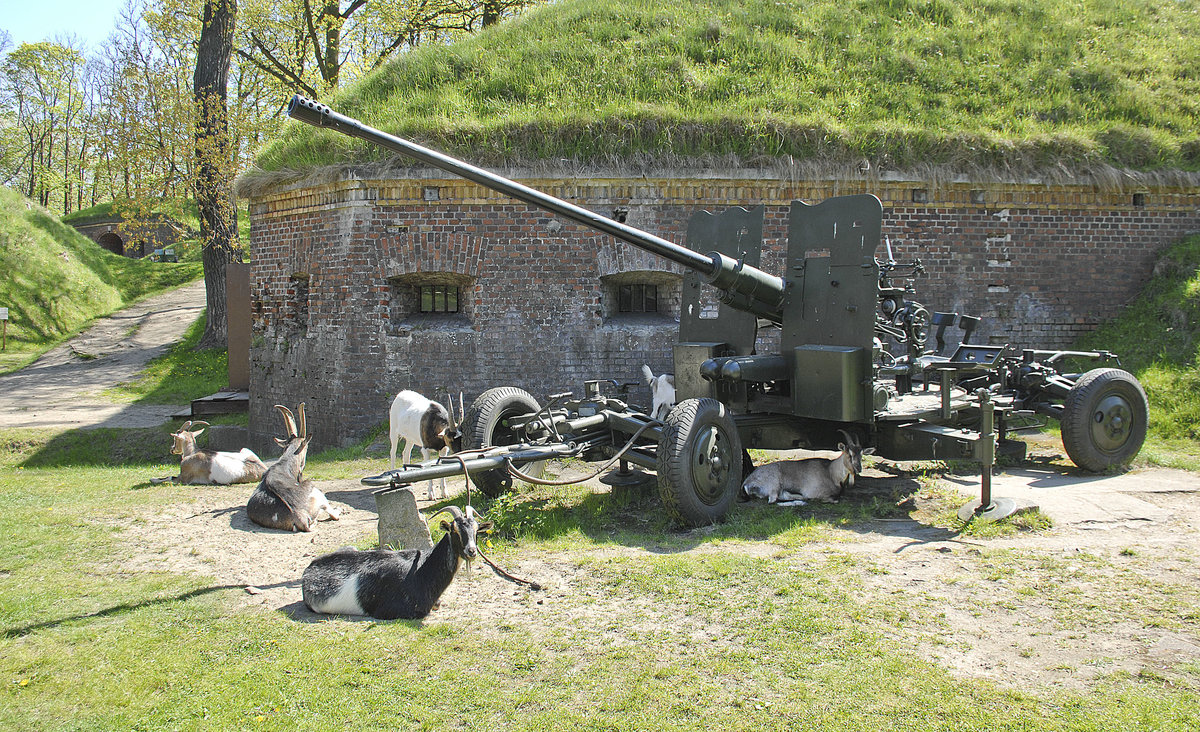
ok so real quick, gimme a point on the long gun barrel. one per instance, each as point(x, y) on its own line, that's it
point(743, 286)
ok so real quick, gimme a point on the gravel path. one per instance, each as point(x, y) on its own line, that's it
point(62, 388)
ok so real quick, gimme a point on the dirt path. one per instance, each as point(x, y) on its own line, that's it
point(60, 389)
point(1110, 588)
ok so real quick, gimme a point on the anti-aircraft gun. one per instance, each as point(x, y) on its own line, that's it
point(839, 319)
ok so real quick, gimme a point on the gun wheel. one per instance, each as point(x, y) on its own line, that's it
point(1104, 419)
point(699, 462)
point(486, 425)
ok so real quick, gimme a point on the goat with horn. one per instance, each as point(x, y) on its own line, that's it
point(210, 466)
point(795, 482)
point(284, 499)
point(388, 584)
point(425, 424)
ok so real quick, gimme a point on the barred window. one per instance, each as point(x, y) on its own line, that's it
point(637, 298)
point(439, 299)
point(428, 301)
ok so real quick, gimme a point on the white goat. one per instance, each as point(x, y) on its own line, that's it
point(795, 482)
point(425, 424)
point(211, 466)
point(662, 392)
point(284, 499)
point(388, 584)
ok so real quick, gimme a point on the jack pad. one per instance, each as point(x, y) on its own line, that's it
point(624, 478)
point(998, 509)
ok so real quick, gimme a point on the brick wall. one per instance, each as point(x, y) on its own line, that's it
point(334, 265)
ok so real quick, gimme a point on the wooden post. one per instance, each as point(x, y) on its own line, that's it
point(4, 329)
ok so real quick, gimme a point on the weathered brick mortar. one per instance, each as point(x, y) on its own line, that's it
point(1041, 264)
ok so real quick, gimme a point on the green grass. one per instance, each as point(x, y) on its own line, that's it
point(180, 375)
point(695, 632)
point(58, 281)
point(1000, 85)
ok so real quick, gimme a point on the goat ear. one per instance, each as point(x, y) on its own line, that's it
point(842, 446)
point(484, 527)
point(198, 432)
point(281, 443)
point(868, 451)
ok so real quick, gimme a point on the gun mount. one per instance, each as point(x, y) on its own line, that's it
point(840, 317)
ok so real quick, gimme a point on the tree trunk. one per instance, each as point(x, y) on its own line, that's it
point(331, 63)
point(214, 180)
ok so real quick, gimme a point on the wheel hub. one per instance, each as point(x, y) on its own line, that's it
point(1111, 422)
point(713, 459)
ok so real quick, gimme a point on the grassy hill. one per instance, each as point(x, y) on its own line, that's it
point(988, 86)
point(1158, 340)
point(56, 280)
point(188, 249)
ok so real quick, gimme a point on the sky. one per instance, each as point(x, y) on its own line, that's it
point(30, 21)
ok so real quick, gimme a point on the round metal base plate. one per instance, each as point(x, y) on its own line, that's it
point(998, 509)
point(626, 478)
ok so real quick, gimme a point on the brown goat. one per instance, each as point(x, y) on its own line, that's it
point(210, 466)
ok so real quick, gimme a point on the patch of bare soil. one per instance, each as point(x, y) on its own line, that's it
point(1112, 587)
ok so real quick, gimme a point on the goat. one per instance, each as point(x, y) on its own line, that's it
point(795, 482)
point(211, 466)
point(388, 584)
point(425, 424)
point(662, 392)
point(284, 499)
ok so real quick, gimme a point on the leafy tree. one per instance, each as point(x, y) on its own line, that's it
point(309, 45)
point(40, 90)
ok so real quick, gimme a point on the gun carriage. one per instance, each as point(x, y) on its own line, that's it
point(853, 356)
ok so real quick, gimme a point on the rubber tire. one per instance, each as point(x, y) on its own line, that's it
point(483, 426)
point(1099, 396)
point(692, 494)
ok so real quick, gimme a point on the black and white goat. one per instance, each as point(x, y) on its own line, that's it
point(284, 499)
point(389, 584)
point(662, 392)
point(795, 482)
point(210, 466)
point(425, 424)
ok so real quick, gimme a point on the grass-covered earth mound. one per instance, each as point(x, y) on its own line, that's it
point(983, 86)
point(57, 280)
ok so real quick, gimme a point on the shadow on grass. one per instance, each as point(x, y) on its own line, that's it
point(635, 517)
point(103, 446)
point(300, 613)
point(118, 610)
point(112, 447)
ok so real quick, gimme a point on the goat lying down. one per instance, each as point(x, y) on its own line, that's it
point(284, 499)
point(389, 584)
point(210, 466)
point(795, 482)
point(662, 392)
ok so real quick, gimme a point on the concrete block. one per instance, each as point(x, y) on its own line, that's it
point(400, 523)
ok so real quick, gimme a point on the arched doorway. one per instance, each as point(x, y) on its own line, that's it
point(112, 242)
